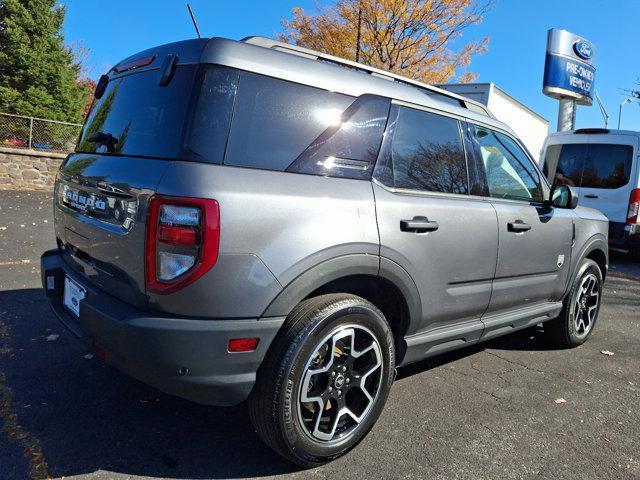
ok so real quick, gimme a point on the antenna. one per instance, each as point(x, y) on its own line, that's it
point(602, 110)
point(193, 19)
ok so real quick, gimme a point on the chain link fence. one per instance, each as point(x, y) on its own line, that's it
point(17, 131)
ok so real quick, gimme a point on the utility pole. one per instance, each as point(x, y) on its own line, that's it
point(358, 34)
point(628, 100)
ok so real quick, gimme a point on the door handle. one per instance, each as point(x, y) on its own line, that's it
point(591, 195)
point(518, 226)
point(418, 225)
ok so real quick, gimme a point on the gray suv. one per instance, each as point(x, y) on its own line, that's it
point(251, 220)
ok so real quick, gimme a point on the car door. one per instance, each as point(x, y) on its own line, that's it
point(429, 224)
point(535, 240)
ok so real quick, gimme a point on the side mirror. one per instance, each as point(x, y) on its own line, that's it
point(563, 196)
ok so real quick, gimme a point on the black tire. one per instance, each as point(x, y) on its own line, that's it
point(570, 328)
point(275, 404)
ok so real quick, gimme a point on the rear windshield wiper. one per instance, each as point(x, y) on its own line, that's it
point(105, 139)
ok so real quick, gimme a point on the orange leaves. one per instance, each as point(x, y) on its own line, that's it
point(409, 37)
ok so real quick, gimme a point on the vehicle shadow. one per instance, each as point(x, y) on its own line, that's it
point(88, 417)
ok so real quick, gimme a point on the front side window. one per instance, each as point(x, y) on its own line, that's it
point(425, 153)
point(509, 171)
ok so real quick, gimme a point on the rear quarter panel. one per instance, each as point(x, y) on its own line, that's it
point(274, 227)
point(592, 232)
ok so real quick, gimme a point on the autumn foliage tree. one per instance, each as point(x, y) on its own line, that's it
point(410, 37)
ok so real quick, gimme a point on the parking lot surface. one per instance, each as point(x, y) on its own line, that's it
point(515, 407)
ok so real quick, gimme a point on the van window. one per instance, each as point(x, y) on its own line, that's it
point(607, 166)
point(141, 117)
point(274, 121)
point(563, 163)
point(510, 173)
point(600, 165)
point(426, 152)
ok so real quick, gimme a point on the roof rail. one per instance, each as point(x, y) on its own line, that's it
point(376, 72)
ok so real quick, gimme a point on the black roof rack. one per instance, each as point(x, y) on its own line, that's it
point(376, 72)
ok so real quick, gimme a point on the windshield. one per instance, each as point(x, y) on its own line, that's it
point(136, 116)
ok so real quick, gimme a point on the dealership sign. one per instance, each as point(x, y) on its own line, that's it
point(569, 69)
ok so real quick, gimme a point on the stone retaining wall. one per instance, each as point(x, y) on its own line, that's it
point(28, 169)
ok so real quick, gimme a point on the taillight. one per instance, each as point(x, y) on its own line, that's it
point(634, 206)
point(183, 236)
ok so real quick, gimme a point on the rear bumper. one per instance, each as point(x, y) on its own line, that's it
point(180, 356)
point(624, 237)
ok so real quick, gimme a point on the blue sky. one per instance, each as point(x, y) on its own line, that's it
point(515, 60)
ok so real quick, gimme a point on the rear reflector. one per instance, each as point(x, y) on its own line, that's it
point(177, 235)
point(237, 345)
point(634, 207)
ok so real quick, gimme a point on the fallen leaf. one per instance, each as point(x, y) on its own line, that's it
point(52, 338)
point(560, 400)
point(607, 352)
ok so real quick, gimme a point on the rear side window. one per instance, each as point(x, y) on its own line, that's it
point(425, 153)
point(136, 116)
point(607, 166)
point(274, 121)
point(350, 148)
point(211, 116)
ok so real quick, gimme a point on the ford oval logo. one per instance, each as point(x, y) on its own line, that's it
point(583, 49)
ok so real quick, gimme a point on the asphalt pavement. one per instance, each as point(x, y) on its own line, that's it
point(515, 407)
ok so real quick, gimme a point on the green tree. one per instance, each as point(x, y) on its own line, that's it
point(38, 74)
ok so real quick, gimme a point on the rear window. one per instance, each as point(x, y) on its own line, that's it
point(138, 117)
point(601, 165)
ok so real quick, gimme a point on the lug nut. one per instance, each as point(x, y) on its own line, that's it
point(339, 393)
point(333, 374)
point(344, 369)
point(348, 380)
point(330, 389)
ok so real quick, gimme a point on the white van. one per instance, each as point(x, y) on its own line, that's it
point(603, 167)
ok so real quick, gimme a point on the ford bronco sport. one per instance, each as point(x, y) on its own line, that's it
point(250, 220)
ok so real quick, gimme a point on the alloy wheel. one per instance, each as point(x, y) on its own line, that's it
point(586, 305)
point(340, 383)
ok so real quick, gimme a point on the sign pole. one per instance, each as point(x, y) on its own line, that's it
point(566, 114)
